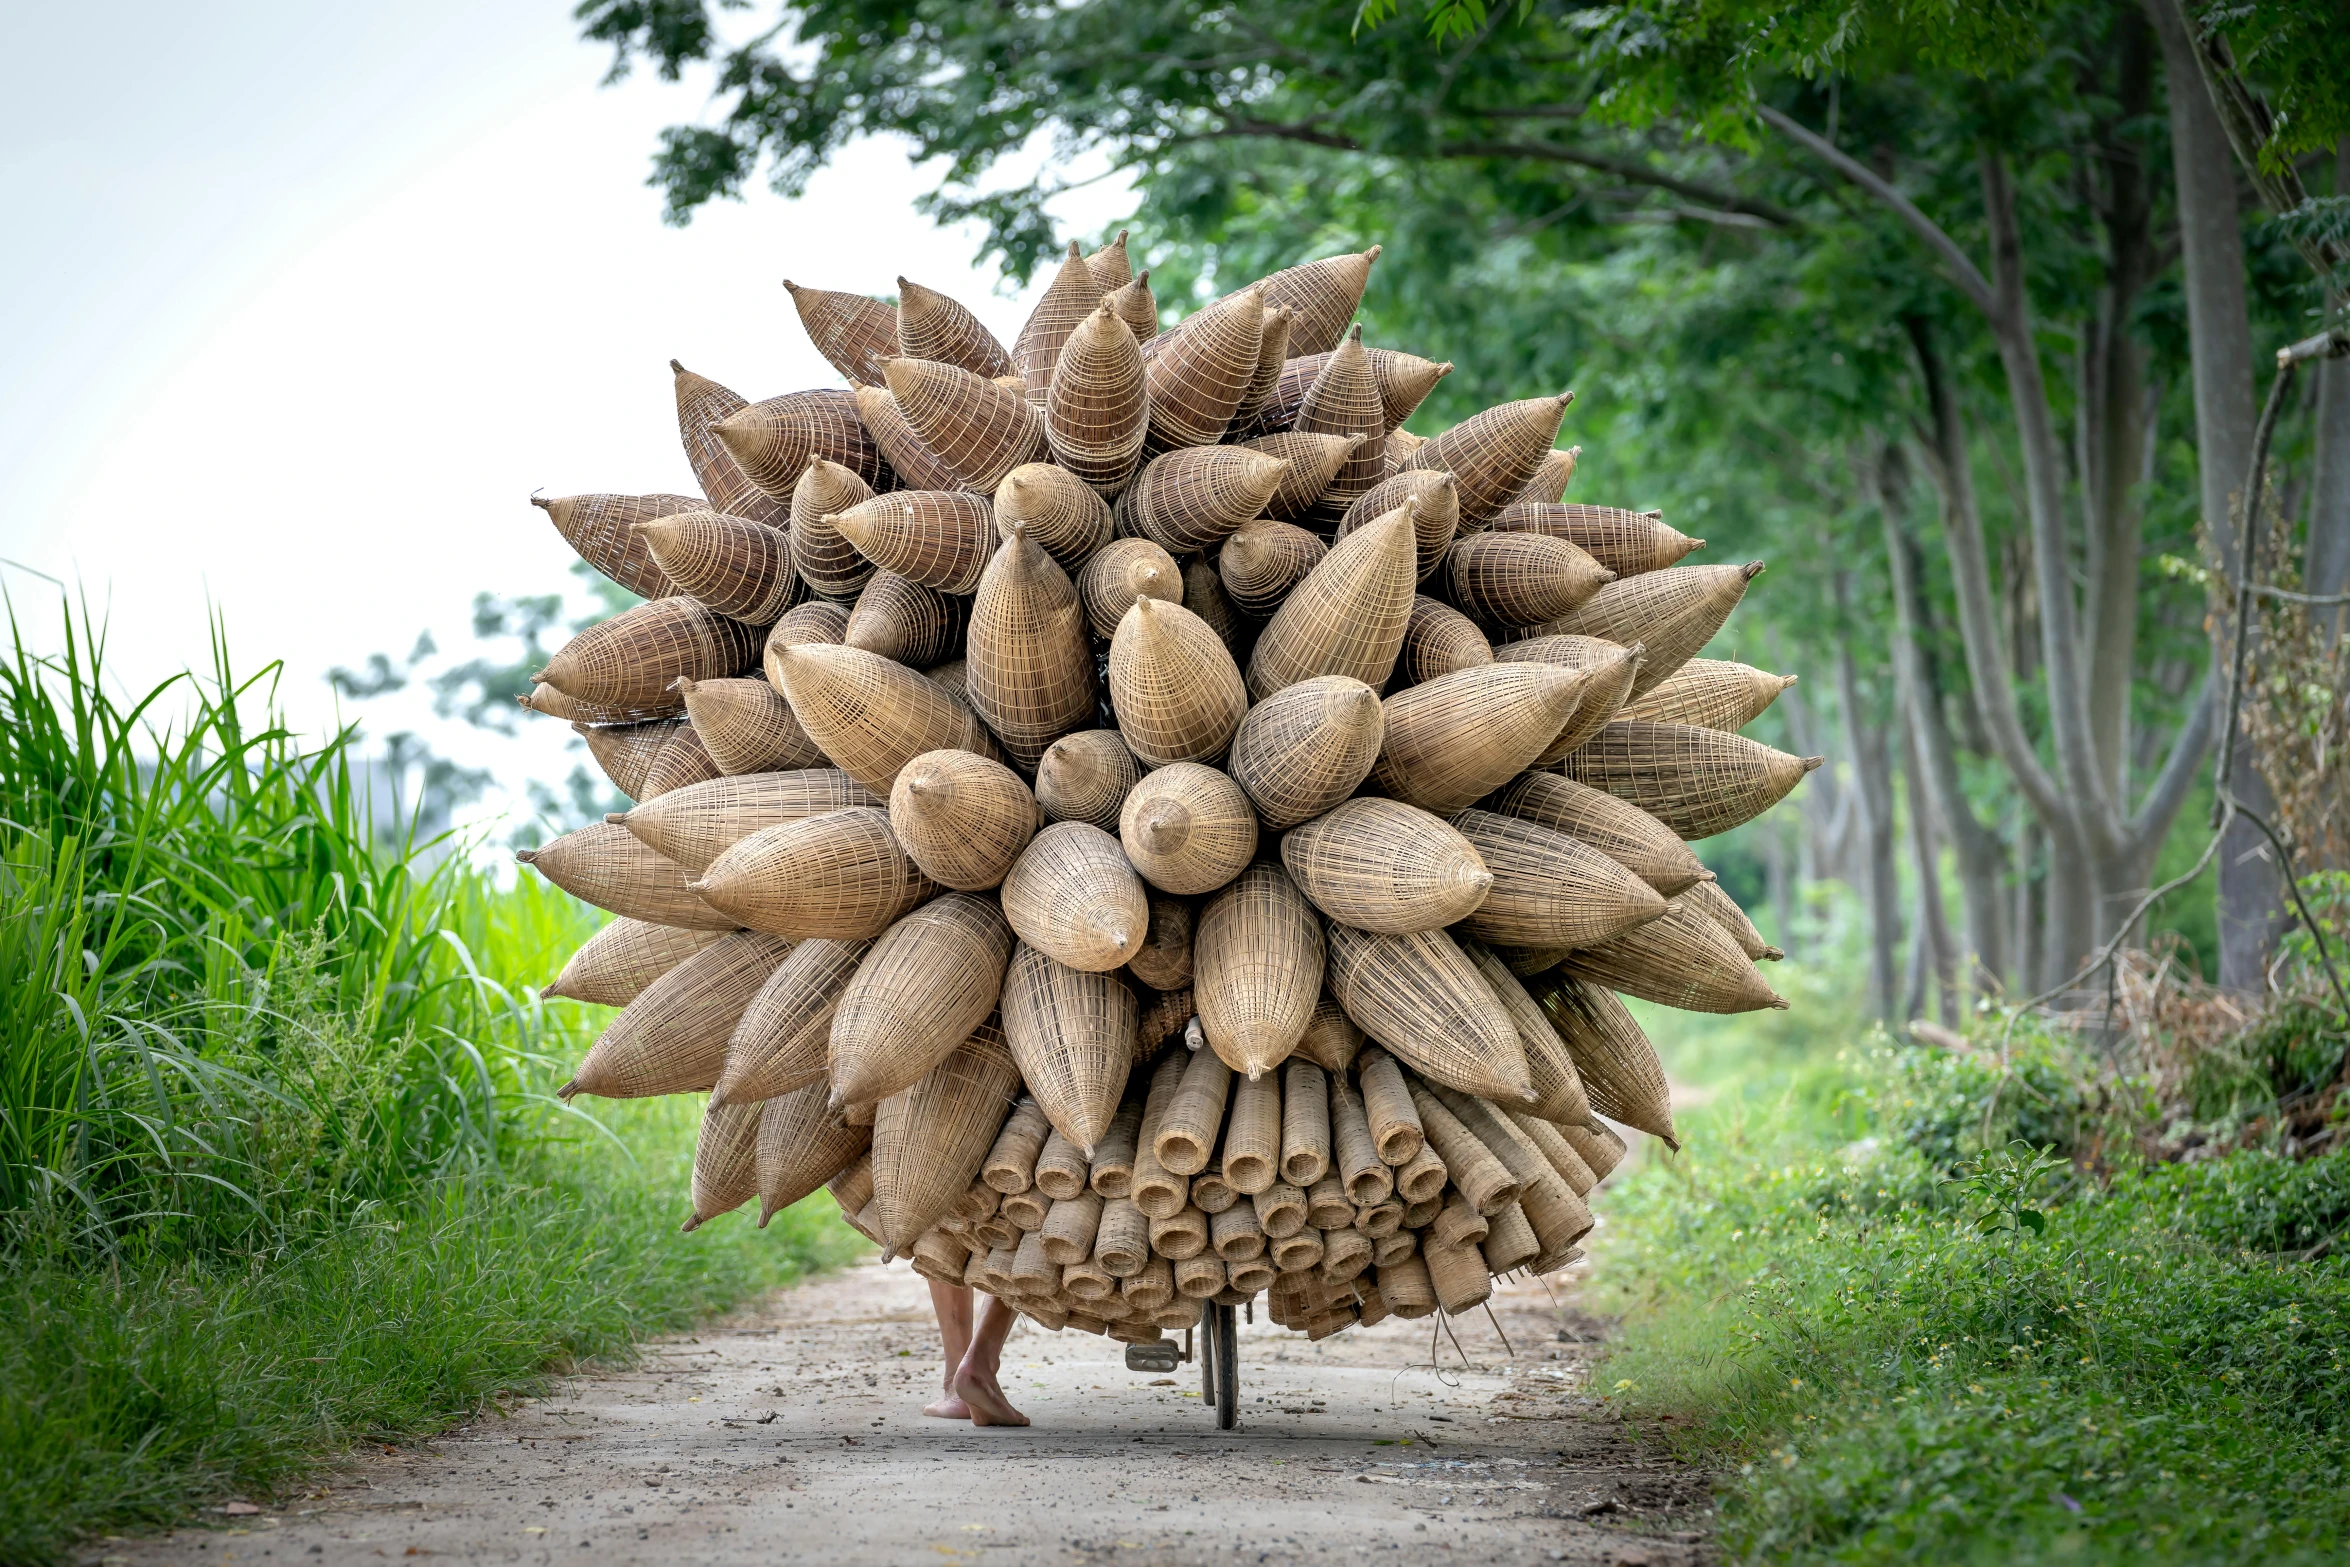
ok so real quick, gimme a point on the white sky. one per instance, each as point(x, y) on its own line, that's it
point(303, 301)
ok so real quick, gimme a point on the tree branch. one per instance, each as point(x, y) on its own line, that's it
point(1963, 271)
point(2169, 789)
point(1624, 168)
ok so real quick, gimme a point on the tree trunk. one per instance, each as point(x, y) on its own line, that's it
point(1872, 800)
point(2219, 333)
point(2326, 567)
point(2031, 962)
point(1782, 889)
point(1932, 951)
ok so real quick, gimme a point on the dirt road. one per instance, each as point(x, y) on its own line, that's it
point(794, 1434)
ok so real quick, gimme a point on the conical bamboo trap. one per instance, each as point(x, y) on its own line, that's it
point(1138, 825)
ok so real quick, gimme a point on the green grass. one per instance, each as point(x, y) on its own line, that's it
point(280, 1168)
point(1890, 1365)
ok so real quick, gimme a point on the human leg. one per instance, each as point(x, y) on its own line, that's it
point(952, 1303)
point(975, 1381)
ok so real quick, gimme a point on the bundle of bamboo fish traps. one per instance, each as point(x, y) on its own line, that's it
point(1141, 826)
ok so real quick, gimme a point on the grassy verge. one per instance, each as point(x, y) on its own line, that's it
point(279, 1167)
point(1899, 1350)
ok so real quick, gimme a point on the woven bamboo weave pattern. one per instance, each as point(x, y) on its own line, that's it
point(1558, 1087)
point(1134, 305)
point(1251, 1155)
point(842, 874)
point(734, 566)
point(1436, 520)
point(1062, 513)
point(1322, 296)
point(905, 621)
point(1073, 295)
point(625, 752)
point(605, 865)
point(1305, 1141)
point(978, 428)
point(1388, 867)
point(1315, 462)
point(829, 564)
point(747, 727)
point(631, 660)
point(963, 818)
point(940, 538)
point(1072, 1034)
point(1258, 959)
point(871, 715)
point(602, 529)
point(1084, 777)
point(1030, 672)
point(1548, 890)
point(929, 1139)
point(853, 332)
point(1521, 579)
point(1307, 747)
point(544, 698)
point(1627, 543)
point(911, 461)
point(1174, 686)
point(1611, 670)
point(773, 442)
point(1672, 613)
point(1203, 595)
point(1272, 355)
point(1344, 401)
point(618, 962)
point(1696, 781)
point(681, 762)
point(1420, 997)
point(783, 1040)
point(932, 326)
point(1331, 1040)
point(1194, 497)
point(1711, 693)
point(1682, 960)
point(1463, 735)
point(1620, 1068)
point(1186, 1137)
point(923, 987)
point(1616, 828)
point(1111, 267)
point(1439, 640)
point(1197, 371)
point(696, 824)
point(672, 1038)
point(1120, 572)
point(1164, 961)
point(800, 1147)
point(1263, 560)
point(1347, 617)
point(726, 1163)
point(1548, 487)
point(1495, 454)
point(1072, 896)
point(818, 620)
point(1187, 829)
point(1708, 897)
point(701, 404)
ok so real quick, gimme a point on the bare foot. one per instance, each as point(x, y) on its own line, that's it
point(989, 1407)
point(948, 1408)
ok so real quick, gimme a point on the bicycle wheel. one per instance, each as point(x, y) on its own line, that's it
point(1227, 1370)
point(1207, 1358)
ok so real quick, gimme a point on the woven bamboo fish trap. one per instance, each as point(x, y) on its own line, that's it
point(1671, 613)
point(1029, 670)
point(929, 1139)
point(607, 866)
point(1439, 640)
point(1347, 617)
point(746, 727)
point(979, 428)
point(619, 961)
point(852, 331)
point(872, 715)
point(694, 825)
point(672, 1038)
point(1620, 1068)
point(602, 529)
point(1084, 777)
point(1072, 896)
point(631, 660)
point(1698, 782)
point(1308, 747)
point(905, 621)
point(1174, 686)
point(1684, 959)
point(1723, 909)
point(1549, 890)
point(800, 1147)
point(962, 818)
point(1384, 866)
point(1196, 372)
point(1073, 1035)
point(1194, 497)
point(701, 404)
point(773, 443)
point(1436, 518)
point(829, 564)
point(1521, 579)
point(726, 1163)
point(1257, 961)
point(929, 980)
point(1164, 962)
point(1627, 543)
point(1188, 829)
point(1312, 465)
point(1610, 669)
point(1494, 455)
point(1711, 693)
point(1421, 998)
point(1461, 736)
point(842, 874)
point(1616, 828)
point(1064, 515)
point(782, 1042)
point(934, 327)
point(960, 1010)
point(1263, 560)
